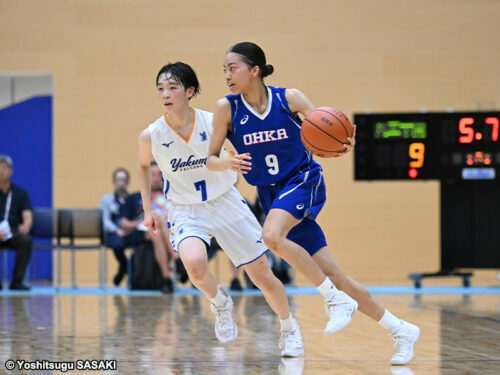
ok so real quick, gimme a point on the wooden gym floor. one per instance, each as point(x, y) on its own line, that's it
point(154, 334)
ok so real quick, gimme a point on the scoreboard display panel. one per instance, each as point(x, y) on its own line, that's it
point(459, 149)
point(421, 146)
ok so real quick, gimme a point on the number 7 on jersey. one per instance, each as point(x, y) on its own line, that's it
point(201, 185)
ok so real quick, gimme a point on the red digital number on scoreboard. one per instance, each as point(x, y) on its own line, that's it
point(468, 134)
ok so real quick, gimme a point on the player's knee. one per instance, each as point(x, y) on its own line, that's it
point(271, 238)
point(196, 268)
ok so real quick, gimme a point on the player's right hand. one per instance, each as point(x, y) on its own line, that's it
point(151, 221)
point(239, 162)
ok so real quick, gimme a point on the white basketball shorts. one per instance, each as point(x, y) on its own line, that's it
point(227, 218)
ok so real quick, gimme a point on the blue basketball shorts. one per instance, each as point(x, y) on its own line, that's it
point(303, 196)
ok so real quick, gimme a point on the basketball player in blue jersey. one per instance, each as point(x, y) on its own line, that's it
point(205, 204)
point(263, 125)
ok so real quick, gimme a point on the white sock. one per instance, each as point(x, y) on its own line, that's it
point(287, 324)
point(219, 299)
point(326, 287)
point(389, 321)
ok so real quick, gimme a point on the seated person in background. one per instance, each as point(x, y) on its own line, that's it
point(110, 206)
point(16, 219)
point(162, 244)
point(132, 215)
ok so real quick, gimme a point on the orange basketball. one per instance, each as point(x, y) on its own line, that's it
point(324, 131)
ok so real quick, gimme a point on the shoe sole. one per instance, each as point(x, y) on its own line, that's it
point(294, 355)
point(417, 336)
point(346, 323)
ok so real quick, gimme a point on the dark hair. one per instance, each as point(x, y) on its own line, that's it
point(181, 73)
point(253, 55)
point(118, 170)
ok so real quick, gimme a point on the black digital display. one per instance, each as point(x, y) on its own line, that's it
point(416, 146)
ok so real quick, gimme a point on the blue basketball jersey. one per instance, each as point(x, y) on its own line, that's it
point(272, 138)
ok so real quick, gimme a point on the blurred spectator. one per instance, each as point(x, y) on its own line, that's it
point(16, 219)
point(132, 216)
point(111, 205)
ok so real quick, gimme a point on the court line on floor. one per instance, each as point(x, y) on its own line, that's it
point(457, 313)
point(278, 360)
point(291, 290)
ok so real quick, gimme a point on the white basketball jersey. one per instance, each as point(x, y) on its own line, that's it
point(187, 180)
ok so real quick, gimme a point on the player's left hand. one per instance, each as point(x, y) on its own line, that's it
point(351, 141)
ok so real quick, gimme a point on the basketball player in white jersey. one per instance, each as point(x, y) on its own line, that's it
point(205, 204)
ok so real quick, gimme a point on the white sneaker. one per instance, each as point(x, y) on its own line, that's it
point(291, 342)
point(340, 308)
point(225, 328)
point(405, 338)
point(401, 370)
point(291, 366)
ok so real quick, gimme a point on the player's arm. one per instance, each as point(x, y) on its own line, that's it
point(221, 124)
point(299, 103)
point(144, 171)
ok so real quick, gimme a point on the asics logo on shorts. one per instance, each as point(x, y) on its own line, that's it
point(300, 206)
point(244, 120)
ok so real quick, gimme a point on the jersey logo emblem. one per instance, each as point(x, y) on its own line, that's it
point(190, 163)
point(167, 144)
point(259, 240)
point(244, 120)
point(300, 206)
point(203, 136)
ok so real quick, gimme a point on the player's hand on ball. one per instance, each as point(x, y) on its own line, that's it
point(351, 142)
point(240, 163)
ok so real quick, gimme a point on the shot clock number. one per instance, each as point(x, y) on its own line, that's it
point(468, 135)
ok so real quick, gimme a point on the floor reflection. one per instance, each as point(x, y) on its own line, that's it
point(175, 335)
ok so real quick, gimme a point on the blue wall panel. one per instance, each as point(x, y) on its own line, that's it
point(26, 136)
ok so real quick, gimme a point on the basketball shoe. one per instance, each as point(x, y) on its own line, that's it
point(401, 370)
point(405, 337)
point(339, 308)
point(291, 366)
point(225, 328)
point(291, 342)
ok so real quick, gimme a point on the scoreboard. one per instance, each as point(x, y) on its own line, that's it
point(420, 146)
point(462, 151)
